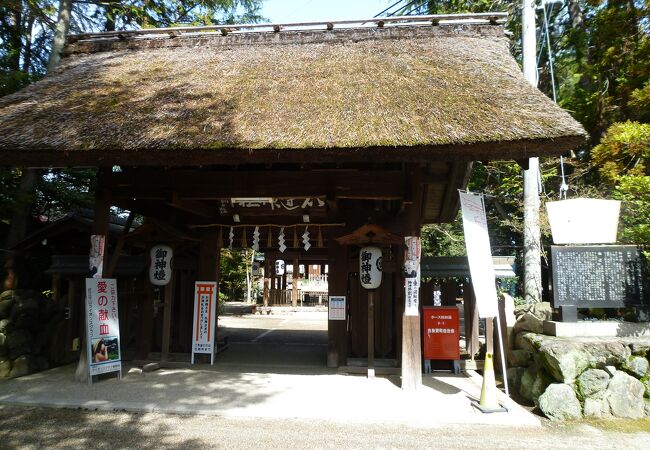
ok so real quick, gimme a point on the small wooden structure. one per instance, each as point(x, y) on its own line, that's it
point(225, 131)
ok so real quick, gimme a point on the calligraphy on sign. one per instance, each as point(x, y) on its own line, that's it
point(103, 326)
point(160, 269)
point(412, 275)
point(370, 260)
point(205, 311)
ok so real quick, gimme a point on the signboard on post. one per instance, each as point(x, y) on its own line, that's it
point(103, 327)
point(479, 254)
point(412, 275)
point(337, 307)
point(205, 314)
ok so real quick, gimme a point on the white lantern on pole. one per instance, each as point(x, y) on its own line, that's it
point(370, 267)
point(279, 267)
point(160, 269)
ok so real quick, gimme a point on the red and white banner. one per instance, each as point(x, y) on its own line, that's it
point(205, 314)
point(103, 326)
point(479, 254)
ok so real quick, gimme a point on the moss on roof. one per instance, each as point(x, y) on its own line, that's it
point(361, 89)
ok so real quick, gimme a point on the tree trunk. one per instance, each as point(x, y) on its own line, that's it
point(60, 33)
point(27, 52)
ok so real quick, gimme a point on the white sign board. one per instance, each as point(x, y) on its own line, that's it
point(479, 254)
point(412, 276)
point(205, 314)
point(337, 307)
point(97, 248)
point(256, 268)
point(584, 221)
point(160, 269)
point(102, 326)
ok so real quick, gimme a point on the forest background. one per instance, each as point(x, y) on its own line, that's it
point(594, 59)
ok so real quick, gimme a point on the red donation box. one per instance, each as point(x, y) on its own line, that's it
point(441, 333)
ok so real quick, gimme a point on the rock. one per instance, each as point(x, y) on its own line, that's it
point(542, 310)
point(151, 367)
point(640, 348)
point(647, 406)
point(592, 383)
point(5, 325)
point(534, 382)
point(528, 341)
point(41, 363)
point(514, 375)
point(625, 396)
point(636, 366)
point(566, 359)
point(528, 322)
point(646, 384)
point(611, 370)
point(5, 307)
point(559, 402)
point(135, 371)
point(595, 407)
point(18, 342)
point(5, 368)
point(25, 306)
point(520, 358)
point(21, 366)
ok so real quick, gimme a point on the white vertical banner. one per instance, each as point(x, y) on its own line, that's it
point(103, 326)
point(479, 254)
point(205, 312)
point(412, 276)
point(97, 249)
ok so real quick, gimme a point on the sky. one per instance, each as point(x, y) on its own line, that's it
point(320, 10)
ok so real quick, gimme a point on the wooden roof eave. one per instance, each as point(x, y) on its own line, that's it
point(483, 151)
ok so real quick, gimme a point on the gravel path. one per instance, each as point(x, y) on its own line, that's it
point(30, 427)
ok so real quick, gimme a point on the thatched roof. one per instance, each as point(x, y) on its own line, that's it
point(401, 92)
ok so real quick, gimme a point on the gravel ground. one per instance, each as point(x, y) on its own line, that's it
point(31, 427)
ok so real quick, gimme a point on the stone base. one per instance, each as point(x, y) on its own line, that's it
point(601, 329)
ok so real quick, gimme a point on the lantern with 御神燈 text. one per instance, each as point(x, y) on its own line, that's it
point(279, 267)
point(370, 267)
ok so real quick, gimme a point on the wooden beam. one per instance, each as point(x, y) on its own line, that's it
point(458, 174)
point(195, 207)
point(167, 318)
point(108, 273)
point(337, 334)
point(214, 185)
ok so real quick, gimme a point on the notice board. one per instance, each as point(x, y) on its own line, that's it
point(600, 276)
point(440, 333)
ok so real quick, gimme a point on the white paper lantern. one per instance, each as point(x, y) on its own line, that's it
point(370, 267)
point(160, 268)
point(279, 267)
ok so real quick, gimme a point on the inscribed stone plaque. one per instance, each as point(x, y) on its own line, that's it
point(607, 276)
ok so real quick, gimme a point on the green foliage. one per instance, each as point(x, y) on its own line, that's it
point(624, 150)
point(234, 265)
point(634, 192)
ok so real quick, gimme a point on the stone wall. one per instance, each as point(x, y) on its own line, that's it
point(32, 335)
point(570, 378)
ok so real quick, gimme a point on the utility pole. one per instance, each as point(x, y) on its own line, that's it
point(532, 234)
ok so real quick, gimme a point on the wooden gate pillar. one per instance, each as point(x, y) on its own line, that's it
point(294, 283)
point(337, 336)
point(411, 337)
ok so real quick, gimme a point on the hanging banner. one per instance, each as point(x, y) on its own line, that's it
point(412, 276)
point(103, 326)
point(205, 314)
point(160, 269)
point(97, 244)
point(479, 254)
